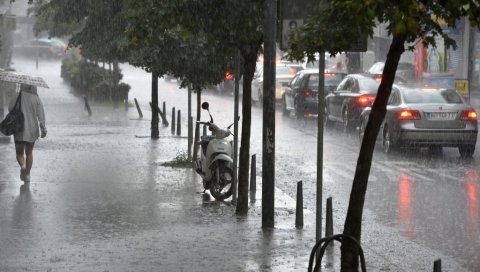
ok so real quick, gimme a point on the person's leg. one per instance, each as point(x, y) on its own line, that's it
point(29, 153)
point(20, 150)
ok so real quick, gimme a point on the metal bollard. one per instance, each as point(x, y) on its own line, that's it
point(204, 131)
point(173, 120)
point(299, 214)
point(138, 108)
point(164, 115)
point(437, 266)
point(329, 219)
point(253, 174)
point(87, 106)
point(179, 126)
point(190, 135)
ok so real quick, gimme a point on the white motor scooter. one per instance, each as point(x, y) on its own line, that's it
point(216, 164)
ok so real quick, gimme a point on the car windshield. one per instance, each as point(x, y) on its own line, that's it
point(368, 85)
point(431, 96)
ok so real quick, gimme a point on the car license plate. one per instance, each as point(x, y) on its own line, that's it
point(440, 115)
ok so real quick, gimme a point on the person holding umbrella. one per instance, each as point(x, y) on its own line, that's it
point(34, 115)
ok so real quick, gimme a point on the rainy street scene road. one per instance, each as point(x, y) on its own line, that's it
point(237, 135)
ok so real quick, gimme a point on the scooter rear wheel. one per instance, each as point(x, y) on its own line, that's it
point(221, 185)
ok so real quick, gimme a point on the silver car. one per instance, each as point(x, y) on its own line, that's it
point(426, 116)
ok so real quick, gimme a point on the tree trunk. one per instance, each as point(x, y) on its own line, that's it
point(197, 126)
point(353, 221)
point(249, 54)
point(155, 119)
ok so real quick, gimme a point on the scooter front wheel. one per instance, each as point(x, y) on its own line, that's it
point(221, 185)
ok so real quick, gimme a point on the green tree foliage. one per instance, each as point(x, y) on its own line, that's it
point(338, 23)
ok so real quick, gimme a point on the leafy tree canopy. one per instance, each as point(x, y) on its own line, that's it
point(164, 46)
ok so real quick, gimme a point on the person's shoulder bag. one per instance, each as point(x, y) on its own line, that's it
point(13, 122)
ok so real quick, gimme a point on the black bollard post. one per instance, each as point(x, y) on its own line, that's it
point(179, 126)
point(190, 136)
point(164, 112)
point(329, 219)
point(164, 117)
point(138, 108)
point(173, 120)
point(87, 106)
point(437, 266)
point(253, 174)
point(299, 214)
point(204, 131)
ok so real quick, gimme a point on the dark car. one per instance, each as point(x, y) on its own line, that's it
point(346, 103)
point(301, 94)
point(426, 116)
point(43, 48)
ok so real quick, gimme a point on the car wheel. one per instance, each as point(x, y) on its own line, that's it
point(466, 151)
point(285, 111)
point(388, 145)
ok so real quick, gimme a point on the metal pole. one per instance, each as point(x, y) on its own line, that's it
point(179, 126)
point(204, 131)
point(299, 213)
point(437, 266)
point(164, 115)
point(321, 117)
point(268, 133)
point(190, 121)
point(190, 136)
point(173, 120)
point(138, 108)
point(235, 128)
point(253, 174)
point(329, 218)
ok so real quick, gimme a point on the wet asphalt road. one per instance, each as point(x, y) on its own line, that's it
point(415, 201)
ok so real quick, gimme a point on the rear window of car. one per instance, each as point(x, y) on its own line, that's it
point(331, 79)
point(368, 85)
point(432, 96)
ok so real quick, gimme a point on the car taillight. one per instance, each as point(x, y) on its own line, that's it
point(469, 115)
point(228, 76)
point(409, 115)
point(308, 93)
point(365, 100)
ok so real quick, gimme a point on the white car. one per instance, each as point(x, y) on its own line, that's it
point(284, 73)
